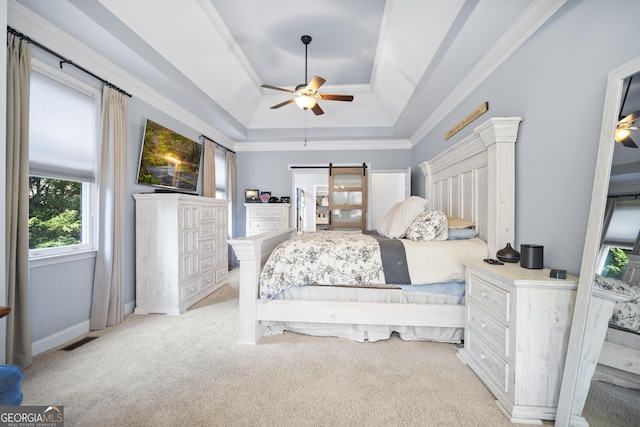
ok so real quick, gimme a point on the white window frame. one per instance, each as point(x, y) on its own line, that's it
point(89, 220)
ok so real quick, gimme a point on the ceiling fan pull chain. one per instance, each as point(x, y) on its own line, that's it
point(305, 127)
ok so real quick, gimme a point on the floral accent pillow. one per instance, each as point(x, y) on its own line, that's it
point(429, 225)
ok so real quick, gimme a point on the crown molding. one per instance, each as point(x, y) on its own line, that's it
point(530, 20)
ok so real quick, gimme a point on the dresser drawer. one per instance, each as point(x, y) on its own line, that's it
point(492, 296)
point(492, 331)
point(207, 261)
point(207, 214)
point(487, 360)
point(207, 230)
point(222, 273)
point(207, 246)
point(266, 213)
point(207, 280)
point(189, 290)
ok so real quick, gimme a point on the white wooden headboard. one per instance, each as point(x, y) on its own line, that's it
point(475, 180)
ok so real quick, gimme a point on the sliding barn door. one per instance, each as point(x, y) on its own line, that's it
point(347, 198)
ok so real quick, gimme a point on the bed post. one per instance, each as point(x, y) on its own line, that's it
point(499, 136)
point(252, 252)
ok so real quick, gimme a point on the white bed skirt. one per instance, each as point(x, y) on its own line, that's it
point(363, 333)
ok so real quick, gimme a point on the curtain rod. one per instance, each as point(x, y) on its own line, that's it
point(218, 144)
point(64, 60)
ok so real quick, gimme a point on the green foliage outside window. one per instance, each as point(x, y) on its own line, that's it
point(54, 213)
point(616, 263)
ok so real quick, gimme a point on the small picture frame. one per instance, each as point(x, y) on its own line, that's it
point(265, 196)
point(284, 199)
point(251, 195)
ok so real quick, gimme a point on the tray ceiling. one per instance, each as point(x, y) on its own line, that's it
point(408, 63)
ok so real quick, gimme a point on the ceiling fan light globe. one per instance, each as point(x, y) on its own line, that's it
point(622, 134)
point(305, 102)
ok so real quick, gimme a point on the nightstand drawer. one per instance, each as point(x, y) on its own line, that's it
point(493, 297)
point(266, 213)
point(487, 360)
point(492, 331)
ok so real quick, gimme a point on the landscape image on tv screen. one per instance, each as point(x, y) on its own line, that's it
point(169, 159)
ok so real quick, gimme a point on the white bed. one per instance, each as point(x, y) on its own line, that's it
point(472, 180)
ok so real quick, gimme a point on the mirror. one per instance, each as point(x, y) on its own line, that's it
point(586, 340)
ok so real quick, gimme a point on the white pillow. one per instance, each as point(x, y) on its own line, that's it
point(429, 225)
point(395, 222)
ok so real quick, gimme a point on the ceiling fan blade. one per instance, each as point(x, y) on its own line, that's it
point(315, 84)
point(317, 110)
point(628, 142)
point(282, 104)
point(628, 120)
point(278, 88)
point(328, 97)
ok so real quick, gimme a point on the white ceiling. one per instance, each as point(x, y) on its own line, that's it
point(408, 63)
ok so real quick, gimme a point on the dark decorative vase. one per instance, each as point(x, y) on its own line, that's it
point(508, 254)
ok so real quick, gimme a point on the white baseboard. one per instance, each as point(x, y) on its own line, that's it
point(61, 337)
point(128, 307)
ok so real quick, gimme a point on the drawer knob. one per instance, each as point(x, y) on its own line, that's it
point(484, 294)
point(483, 356)
point(483, 325)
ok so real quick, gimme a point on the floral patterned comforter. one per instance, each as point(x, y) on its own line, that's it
point(354, 259)
point(626, 315)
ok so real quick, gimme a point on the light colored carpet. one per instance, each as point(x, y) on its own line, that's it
point(188, 370)
point(609, 405)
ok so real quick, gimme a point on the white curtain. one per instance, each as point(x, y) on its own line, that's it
point(107, 306)
point(209, 167)
point(17, 202)
point(231, 189)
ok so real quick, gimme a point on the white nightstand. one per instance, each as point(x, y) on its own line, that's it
point(264, 217)
point(516, 333)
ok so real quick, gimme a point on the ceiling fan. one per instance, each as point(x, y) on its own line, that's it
point(627, 124)
point(306, 94)
point(624, 128)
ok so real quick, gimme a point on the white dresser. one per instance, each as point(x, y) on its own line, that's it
point(263, 217)
point(181, 250)
point(516, 334)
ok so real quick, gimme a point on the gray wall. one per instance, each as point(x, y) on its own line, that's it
point(556, 82)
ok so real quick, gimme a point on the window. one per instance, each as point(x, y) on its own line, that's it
point(619, 237)
point(63, 147)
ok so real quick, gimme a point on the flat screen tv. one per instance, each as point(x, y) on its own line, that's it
point(168, 160)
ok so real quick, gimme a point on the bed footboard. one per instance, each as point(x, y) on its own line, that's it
point(252, 252)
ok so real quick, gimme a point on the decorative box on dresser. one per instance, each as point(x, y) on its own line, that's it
point(517, 329)
point(264, 217)
point(181, 250)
